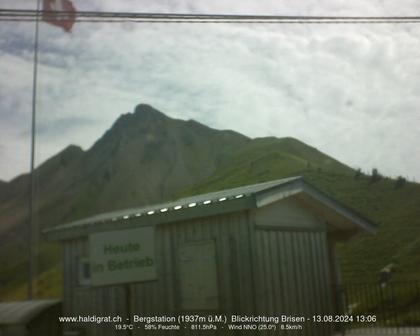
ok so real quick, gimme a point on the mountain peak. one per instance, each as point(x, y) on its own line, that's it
point(146, 109)
point(147, 113)
point(143, 114)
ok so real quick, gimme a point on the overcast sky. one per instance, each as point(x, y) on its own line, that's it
point(351, 90)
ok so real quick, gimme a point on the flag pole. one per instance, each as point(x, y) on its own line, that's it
point(33, 228)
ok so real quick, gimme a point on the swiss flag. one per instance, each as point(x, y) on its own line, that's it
point(64, 21)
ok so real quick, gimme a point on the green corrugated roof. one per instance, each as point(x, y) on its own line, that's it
point(184, 203)
point(202, 205)
point(21, 312)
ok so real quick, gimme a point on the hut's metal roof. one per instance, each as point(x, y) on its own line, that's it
point(224, 201)
point(21, 312)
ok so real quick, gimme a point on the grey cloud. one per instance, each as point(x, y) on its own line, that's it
point(60, 127)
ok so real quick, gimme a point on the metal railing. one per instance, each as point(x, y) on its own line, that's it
point(392, 308)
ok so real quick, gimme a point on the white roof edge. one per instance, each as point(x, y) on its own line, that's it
point(341, 209)
point(279, 192)
point(266, 198)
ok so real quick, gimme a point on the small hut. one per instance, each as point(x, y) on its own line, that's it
point(260, 250)
point(30, 318)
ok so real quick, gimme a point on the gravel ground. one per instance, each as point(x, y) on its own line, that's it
point(383, 332)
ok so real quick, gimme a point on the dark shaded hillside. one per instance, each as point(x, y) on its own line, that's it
point(3, 186)
point(147, 157)
point(144, 158)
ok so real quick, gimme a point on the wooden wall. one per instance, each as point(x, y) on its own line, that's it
point(265, 270)
point(292, 276)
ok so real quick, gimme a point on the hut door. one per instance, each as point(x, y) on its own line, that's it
point(198, 276)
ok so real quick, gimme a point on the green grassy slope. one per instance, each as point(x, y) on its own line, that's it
point(394, 209)
point(266, 159)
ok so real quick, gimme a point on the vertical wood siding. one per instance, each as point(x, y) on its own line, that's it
point(292, 276)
